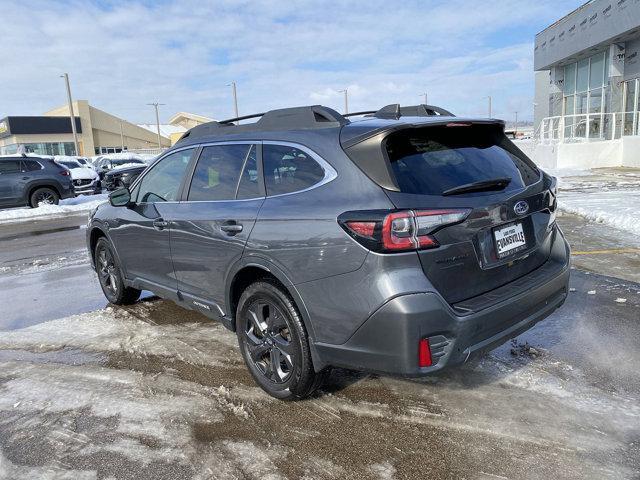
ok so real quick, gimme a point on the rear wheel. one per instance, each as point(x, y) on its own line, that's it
point(274, 342)
point(43, 196)
point(110, 276)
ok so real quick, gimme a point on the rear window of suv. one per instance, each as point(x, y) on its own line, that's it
point(431, 160)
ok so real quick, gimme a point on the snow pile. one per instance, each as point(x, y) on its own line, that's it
point(617, 208)
point(69, 206)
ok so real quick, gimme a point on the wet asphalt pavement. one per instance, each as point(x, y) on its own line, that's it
point(153, 391)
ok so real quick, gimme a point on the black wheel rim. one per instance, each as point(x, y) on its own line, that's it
point(45, 198)
point(107, 271)
point(268, 341)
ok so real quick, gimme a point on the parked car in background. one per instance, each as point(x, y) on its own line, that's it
point(85, 179)
point(122, 176)
point(33, 180)
point(109, 162)
point(84, 161)
point(402, 243)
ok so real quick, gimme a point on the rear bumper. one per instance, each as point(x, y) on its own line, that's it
point(388, 341)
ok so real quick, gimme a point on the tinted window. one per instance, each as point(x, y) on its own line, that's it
point(288, 169)
point(430, 160)
point(31, 165)
point(218, 171)
point(162, 182)
point(249, 186)
point(10, 166)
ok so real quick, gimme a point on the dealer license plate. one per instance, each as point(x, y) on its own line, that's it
point(509, 239)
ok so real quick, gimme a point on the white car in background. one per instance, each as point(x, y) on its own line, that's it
point(84, 178)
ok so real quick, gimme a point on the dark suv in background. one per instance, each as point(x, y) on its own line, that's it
point(122, 177)
point(33, 181)
point(400, 242)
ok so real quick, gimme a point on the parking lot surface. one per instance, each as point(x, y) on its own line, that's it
point(152, 391)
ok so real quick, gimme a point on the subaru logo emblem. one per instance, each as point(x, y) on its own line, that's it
point(521, 207)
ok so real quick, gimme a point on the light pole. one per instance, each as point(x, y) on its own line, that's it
point(71, 113)
point(156, 105)
point(425, 98)
point(235, 98)
point(346, 99)
point(515, 133)
point(489, 97)
point(121, 137)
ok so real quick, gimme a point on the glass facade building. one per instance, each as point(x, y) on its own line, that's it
point(591, 62)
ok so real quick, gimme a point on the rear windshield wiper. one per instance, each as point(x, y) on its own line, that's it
point(480, 186)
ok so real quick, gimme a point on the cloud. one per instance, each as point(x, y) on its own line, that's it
point(121, 56)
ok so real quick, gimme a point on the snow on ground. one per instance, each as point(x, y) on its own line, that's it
point(618, 208)
point(608, 196)
point(116, 388)
point(83, 203)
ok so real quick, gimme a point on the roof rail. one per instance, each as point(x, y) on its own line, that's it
point(395, 111)
point(301, 118)
point(311, 117)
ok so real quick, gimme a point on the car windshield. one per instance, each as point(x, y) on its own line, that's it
point(433, 160)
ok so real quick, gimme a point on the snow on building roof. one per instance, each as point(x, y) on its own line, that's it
point(190, 116)
point(165, 129)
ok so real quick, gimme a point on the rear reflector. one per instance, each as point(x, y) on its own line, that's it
point(424, 353)
point(365, 229)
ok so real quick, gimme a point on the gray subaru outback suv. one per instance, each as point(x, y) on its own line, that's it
point(401, 241)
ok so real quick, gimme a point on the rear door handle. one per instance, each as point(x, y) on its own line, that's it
point(160, 224)
point(231, 229)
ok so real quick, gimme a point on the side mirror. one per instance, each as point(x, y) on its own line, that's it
point(104, 167)
point(120, 198)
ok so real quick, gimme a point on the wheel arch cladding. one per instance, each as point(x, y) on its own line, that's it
point(96, 234)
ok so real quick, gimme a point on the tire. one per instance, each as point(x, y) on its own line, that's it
point(43, 196)
point(110, 275)
point(274, 342)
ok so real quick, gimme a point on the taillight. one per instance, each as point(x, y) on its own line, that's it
point(399, 231)
point(424, 353)
point(65, 173)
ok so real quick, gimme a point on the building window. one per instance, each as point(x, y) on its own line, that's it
point(44, 148)
point(585, 97)
point(631, 107)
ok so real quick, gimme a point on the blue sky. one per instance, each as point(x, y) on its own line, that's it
point(122, 55)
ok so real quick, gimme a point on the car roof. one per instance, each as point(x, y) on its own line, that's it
point(288, 123)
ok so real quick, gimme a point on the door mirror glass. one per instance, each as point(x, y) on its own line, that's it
point(120, 198)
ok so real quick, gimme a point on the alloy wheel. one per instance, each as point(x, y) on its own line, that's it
point(107, 271)
point(45, 198)
point(268, 341)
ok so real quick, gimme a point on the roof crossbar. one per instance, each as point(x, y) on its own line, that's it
point(296, 118)
point(395, 111)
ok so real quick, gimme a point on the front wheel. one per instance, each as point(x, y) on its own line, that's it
point(274, 342)
point(110, 276)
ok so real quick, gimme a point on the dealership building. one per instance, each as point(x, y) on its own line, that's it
point(587, 81)
point(97, 131)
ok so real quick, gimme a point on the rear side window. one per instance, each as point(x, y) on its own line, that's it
point(288, 169)
point(31, 165)
point(218, 171)
point(431, 160)
point(10, 166)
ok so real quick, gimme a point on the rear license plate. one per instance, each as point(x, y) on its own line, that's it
point(509, 239)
